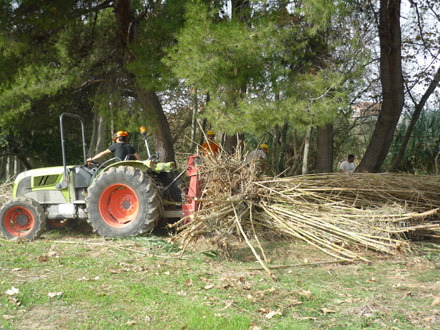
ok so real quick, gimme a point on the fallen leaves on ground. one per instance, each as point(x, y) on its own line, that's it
point(268, 313)
point(228, 304)
point(327, 310)
point(436, 301)
point(54, 294)
point(85, 279)
point(43, 258)
point(12, 291)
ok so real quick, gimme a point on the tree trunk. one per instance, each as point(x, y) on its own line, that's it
point(275, 151)
point(8, 167)
point(112, 123)
point(324, 157)
point(417, 111)
point(283, 148)
point(92, 144)
point(124, 17)
point(22, 158)
point(233, 143)
point(194, 122)
point(204, 121)
point(305, 163)
point(16, 166)
point(101, 141)
point(296, 158)
point(159, 125)
point(436, 163)
point(392, 86)
point(2, 167)
point(202, 136)
point(240, 9)
point(148, 99)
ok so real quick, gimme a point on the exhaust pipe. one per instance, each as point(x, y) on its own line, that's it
point(143, 131)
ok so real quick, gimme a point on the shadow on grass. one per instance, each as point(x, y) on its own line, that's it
point(84, 230)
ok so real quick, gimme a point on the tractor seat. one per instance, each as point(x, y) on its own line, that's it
point(130, 157)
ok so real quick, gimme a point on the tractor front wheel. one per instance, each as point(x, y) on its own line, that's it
point(22, 218)
point(123, 201)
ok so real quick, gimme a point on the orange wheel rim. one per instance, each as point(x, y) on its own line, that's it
point(118, 205)
point(19, 221)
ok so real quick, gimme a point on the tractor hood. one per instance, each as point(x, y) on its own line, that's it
point(38, 177)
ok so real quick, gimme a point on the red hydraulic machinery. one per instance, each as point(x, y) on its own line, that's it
point(189, 205)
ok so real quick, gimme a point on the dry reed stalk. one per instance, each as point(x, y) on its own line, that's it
point(257, 256)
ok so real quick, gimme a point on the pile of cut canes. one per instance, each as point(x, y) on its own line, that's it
point(339, 214)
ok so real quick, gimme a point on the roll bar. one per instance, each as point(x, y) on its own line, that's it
point(63, 184)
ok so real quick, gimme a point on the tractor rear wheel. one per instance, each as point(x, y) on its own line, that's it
point(123, 201)
point(22, 218)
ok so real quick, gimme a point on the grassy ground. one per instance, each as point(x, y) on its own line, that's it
point(74, 280)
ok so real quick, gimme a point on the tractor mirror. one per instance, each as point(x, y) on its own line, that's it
point(143, 130)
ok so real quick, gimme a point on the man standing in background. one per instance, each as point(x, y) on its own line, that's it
point(347, 166)
point(258, 156)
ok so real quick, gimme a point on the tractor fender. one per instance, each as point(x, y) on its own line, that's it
point(145, 165)
point(137, 164)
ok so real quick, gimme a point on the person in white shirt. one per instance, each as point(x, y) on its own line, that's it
point(258, 157)
point(347, 166)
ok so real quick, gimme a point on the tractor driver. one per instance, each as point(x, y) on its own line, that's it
point(121, 149)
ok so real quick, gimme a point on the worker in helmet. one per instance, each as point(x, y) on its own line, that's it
point(210, 147)
point(258, 157)
point(120, 148)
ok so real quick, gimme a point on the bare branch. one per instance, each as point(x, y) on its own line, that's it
point(419, 24)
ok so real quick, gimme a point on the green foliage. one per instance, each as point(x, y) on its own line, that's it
point(318, 13)
point(423, 146)
point(48, 54)
point(229, 54)
point(30, 83)
point(154, 36)
point(228, 59)
point(316, 98)
point(260, 72)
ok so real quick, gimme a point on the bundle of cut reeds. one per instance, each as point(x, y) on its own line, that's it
point(342, 215)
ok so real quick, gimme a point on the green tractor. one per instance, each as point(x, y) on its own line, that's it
point(118, 198)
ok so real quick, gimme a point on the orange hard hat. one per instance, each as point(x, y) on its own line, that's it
point(119, 134)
